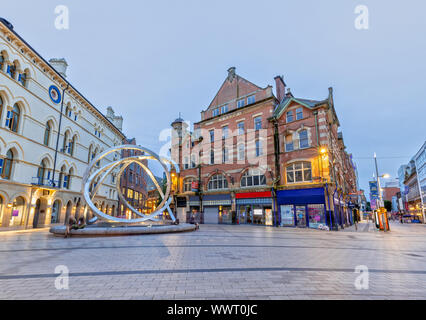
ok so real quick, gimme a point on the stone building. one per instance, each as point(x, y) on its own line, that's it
point(49, 132)
point(261, 158)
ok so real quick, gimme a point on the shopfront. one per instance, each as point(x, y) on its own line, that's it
point(254, 208)
point(217, 209)
point(302, 208)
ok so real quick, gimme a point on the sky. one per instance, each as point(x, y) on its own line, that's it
point(150, 60)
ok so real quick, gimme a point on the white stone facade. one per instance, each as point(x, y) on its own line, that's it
point(32, 193)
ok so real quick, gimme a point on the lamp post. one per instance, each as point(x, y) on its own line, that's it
point(381, 204)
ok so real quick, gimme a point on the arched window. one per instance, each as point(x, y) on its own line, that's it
point(299, 172)
point(23, 78)
point(303, 139)
point(1, 61)
point(253, 177)
point(7, 166)
point(65, 144)
point(41, 173)
point(11, 69)
point(218, 181)
point(89, 155)
point(68, 112)
point(12, 119)
point(61, 177)
point(70, 173)
point(72, 146)
point(47, 130)
point(187, 185)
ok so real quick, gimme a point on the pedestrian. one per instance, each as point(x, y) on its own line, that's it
point(193, 219)
point(71, 225)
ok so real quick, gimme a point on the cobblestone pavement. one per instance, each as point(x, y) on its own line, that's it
point(218, 262)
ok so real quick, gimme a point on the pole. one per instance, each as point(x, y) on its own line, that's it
point(380, 193)
point(421, 192)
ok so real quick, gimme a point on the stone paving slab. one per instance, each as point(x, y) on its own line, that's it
point(217, 262)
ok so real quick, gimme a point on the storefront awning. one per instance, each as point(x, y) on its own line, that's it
point(301, 196)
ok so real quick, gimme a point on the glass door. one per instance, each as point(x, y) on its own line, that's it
point(301, 216)
point(287, 215)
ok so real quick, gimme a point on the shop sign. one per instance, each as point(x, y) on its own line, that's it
point(194, 186)
point(15, 213)
point(258, 212)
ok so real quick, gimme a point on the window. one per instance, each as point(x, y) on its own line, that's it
point(258, 148)
point(7, 166)
point(65, 142)
point(224, 109)
point(47, 134)
point(41, 173)
point(71, 146)
point(289, 146)
point(61, 177)
point(70, 173)
point(241, 127)
point(299, 113)
point(241, 152)
point(186, 163)
point(251, 99)
point(303, 139)
point(129, 193)
point(22, 78)
point(89, 155)
point(253, 177)
point(299, 172)
point(211, 135)
point(215, 112)
point(241, 103)
point(11, 69)
point(224, 132)
point(211, 157)
point(12, 118)
point(193, 164)
point(289, 116)
point(225, 156)
point(1, 61)
point(68, 112)
point(218, 181)
point(257, 123)
point(187, 185)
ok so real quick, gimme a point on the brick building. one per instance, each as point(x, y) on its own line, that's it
point(133, 183)
point(261, 158)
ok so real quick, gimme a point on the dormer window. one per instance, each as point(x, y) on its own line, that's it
point(299, 113)
point(241, 103)
point(224, 109)
point(251, 99)
point(215, 112)
point(289, 116)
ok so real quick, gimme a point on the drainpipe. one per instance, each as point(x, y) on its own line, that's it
point(58, 136)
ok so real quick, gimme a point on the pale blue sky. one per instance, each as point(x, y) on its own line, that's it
point(152, 59)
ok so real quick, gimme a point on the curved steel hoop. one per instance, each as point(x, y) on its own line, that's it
point(101, 173)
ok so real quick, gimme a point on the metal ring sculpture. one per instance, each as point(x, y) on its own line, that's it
point(101, 173)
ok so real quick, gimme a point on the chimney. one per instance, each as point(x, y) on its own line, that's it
point(117, 121)
point(60, 65)
point(231, 73)
point(280, 88)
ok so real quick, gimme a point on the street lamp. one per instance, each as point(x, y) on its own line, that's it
point(385, 176)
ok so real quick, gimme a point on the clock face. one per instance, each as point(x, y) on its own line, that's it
point(55, 94)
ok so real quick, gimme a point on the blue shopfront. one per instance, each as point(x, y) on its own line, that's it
point(303, 208)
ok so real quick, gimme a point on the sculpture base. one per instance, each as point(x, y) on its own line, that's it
point(120, 230)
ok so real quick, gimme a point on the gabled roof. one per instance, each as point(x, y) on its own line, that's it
point(310, 104)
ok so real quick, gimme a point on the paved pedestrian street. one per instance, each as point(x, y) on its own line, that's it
point(218, 262)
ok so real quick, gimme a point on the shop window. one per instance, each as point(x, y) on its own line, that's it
point(316, 215)
point(299, 172)
point(303, 139)
point(253, 177)
point(218, 181)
